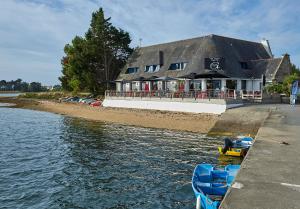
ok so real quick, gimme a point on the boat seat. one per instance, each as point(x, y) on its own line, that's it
point(232, 171)
point(218, 176)
point(211, 188)
point(215, 197)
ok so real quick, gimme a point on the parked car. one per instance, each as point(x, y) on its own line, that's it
point(71, 99)
point(88, 101)
point(74, 99)
point(96, 103)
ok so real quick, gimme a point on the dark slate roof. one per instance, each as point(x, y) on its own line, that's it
point(268, 67)
point(194, 51)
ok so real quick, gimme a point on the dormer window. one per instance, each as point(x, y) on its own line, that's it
point(152, 68)
point(178, 66)
point(244, 65)
point(132, 70)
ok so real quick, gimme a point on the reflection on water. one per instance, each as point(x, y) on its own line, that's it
point(6, 104)
point(225, 160)
point(51, 161)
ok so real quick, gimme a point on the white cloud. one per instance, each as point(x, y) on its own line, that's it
point(34, 32)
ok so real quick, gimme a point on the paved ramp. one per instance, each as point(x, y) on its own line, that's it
point(270, 174)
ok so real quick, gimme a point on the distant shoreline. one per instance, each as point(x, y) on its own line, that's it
point(9, 92)
point(237, 121)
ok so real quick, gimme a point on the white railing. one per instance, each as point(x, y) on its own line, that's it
point(208, 94)
point(255, 95)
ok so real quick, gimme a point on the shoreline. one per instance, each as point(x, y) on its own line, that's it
point(198, 123)
point(269, 176)
point(237, 121)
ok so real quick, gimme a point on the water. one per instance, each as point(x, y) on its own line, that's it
point(9, 94)
point(52, 161)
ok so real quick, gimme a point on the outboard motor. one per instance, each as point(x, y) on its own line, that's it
point(228, 145)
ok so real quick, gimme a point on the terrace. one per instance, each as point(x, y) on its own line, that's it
point(229, 94)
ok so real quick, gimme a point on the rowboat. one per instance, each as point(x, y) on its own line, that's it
point(210, 184)
point(236, 152)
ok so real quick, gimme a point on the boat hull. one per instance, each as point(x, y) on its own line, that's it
point(236, 152)
point(211, 184)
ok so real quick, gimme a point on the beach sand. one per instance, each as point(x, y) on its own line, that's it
point(200, 123)
point(237, 121)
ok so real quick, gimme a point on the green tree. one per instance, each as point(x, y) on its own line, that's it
point(288, 81)
point(74, 65)
point(91, 62)
point(295, 70)
point(56, 88)
point(284, 87)
point(24, 87)
point(35, 87)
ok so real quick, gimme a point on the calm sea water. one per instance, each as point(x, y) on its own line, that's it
point(9, 94)
point(52, 161)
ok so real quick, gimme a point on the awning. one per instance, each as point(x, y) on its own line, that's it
point(209, 74)
point(165, 78)
point(123, 80)
point(152, 78)
point(189, 76)
point(138, 79)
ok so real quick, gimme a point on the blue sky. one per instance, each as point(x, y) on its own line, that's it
point(34, 32)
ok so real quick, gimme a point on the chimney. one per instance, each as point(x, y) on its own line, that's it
point(267, 47)
point(161, 57)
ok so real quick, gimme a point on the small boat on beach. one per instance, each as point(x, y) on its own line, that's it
point(210, 184)
point(237, 147)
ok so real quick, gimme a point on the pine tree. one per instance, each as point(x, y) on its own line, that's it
point(95, 60)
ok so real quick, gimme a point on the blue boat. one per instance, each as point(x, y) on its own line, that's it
point(210, 184)
point(243, 142)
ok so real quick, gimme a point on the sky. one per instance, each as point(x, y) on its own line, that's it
point(33, 33)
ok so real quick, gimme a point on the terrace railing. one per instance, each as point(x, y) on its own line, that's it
point(208, 94)
point(254, 95)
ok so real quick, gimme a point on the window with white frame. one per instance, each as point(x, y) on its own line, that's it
point(152, 68)
point(178, 66)
point(132, 70)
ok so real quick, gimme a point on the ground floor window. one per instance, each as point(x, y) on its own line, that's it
point(244, 85)
point(231, 84)
point(160, 85)
point(155, 85)
point(135, 86)
point(213, 84)
point(145, 86)
point(171, 86)
point(181, 85)
point(195, 85)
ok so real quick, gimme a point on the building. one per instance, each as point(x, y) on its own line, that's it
point(206, 74)
point(205, 63)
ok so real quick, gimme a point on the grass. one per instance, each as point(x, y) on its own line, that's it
point(9, 92)
point(43, 95)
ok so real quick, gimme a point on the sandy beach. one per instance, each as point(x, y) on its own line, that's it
point(238, 121)
point(200, 123)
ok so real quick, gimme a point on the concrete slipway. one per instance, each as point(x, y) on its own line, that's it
point(270, 174)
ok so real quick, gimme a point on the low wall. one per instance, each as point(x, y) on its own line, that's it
point(191, 107)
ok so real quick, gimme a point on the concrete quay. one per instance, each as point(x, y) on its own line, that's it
point(270, 174)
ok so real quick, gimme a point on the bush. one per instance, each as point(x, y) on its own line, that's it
point(48, 95)
point(275, 88)
point(283, 88)
point(56, 95)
